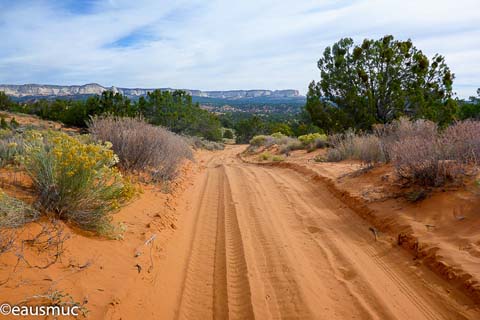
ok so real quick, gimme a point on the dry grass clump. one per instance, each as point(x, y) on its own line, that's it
point(278, 158)
point(287, 144)
point(313, 141)
point(290, 144)
point(419, 152)
point(421, 161)
point(433, 159)
point(262, 141)
point(401, 129)
point(349, 145)
point(201, 143)
point(461, 142)
point(264, 156)
point(141, 146)
point(15, 213)
point(11, 145)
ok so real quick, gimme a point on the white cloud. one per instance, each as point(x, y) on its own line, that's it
point(221, 44)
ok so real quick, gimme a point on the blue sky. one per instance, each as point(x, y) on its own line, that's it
point(219, 44)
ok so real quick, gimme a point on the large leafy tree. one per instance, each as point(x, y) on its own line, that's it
point(377, 81)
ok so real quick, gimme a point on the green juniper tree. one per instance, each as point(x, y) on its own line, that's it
point(378, 81)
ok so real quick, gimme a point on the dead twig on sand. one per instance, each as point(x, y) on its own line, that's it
point(49, 240)
point(375, 232)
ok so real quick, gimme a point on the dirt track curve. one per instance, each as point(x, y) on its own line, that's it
point(266, 243)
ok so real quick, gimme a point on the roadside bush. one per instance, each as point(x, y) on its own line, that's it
point(401, 129)
point(278, 135)
point(291, 144)
point(364, 147)
point(15, 213)
point(11, 146)
point(277, 158)
point(311, 138)
point(262, 140)
point(141, 146)
point(421, 161)
point(461, 142)
point(369, 149)
point(343, 146)
point(76, 181)
point(200, 143)
point(265, 156)
point(313, 141)
point(424, 156)
point(3, 123)
point(228, 134)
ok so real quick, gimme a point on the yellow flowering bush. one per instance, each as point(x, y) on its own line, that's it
point(312, 137)
point(78, 181)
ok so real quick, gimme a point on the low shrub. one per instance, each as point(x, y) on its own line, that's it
point(291, 144)
point(76, 181)
point(278, 135)
point(420, 161)
point(310, 138)
point(262, 140)
point(401, 129)
point(15, 213)
point(201, 143)
point(14, 123)
point(11, 146)
point(461, 142)
point(424, 156)
point(228, 134)
point(277, 158)
point(141, 146)
point(364, 147)
point(313, 141)
point(3, 123)
point(369, 149)
point(265, 156)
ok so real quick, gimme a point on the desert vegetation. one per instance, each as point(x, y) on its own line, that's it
point(141, 146)
point(419, 151)
point(287, 144)
point(74, 180)
point(81, 179)
point(172, 110)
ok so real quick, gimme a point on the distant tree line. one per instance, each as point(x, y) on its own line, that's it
point(174, 110)
point(247, 125)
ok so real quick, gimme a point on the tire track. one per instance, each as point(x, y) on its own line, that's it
point(284, 299)
point(268, 243)
point(372, 251)
point(216, 282)
point(239, 294)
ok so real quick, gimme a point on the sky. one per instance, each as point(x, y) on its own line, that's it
point(220, 44)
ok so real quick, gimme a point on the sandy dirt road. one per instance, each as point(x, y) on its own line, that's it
point(266, 243)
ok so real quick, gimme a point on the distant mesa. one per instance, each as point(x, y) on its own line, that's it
point(40, 90)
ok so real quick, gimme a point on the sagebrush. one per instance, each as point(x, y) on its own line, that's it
point(141, 146)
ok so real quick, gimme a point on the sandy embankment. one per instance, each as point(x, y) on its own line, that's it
point(113, 279)
point(441, 231)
